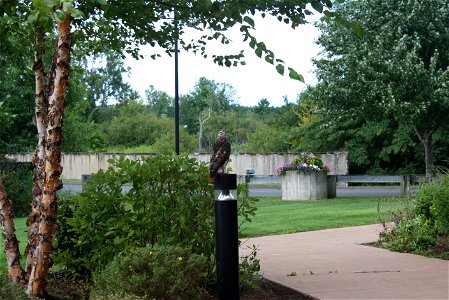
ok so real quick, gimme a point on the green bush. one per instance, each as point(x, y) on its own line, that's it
point(11, 291)
point(440, 207)
point(412, 235)
point(423, 221)
point(137, 129)
point(160, 272)
point(18, 182)
point(433, 203)
point(169, 203)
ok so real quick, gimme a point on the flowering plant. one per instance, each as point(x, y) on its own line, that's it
point(305, 164)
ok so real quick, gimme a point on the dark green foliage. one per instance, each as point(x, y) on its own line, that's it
point(82, 136)
point(395, 73)
point(169, 203)
point(18, 182)
point(249, 269)
point(159, 272)
point(413, 235)
point(382, 146)
point(423, 220)
point(433, 203)
point(11, 291)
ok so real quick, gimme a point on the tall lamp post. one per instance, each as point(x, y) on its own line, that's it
point(176, 90)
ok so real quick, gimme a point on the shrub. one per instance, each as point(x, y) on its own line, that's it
point(18, 182)
point(423, 221)
point(433, 203)
point(169, 203)
point(159, 272)
point(11, 291)
point(412, 235)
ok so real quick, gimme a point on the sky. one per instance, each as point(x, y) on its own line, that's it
point(252, 82)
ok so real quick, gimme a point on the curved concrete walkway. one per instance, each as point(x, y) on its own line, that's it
point(332, 264)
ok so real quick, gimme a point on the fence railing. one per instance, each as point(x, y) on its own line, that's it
point(405, 181)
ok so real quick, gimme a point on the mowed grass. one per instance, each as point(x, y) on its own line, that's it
point(274, 216)
point(21, 232)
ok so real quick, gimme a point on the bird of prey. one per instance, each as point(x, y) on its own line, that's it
point(221, 151)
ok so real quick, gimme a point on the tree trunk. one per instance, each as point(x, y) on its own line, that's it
point(426, 140)
point(52, 162)
point(200, 138)
point(40, 117)
point(15, 271)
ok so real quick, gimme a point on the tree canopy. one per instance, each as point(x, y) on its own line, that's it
point(398, 69)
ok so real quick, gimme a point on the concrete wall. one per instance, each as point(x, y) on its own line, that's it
point(299, 186)
point(76, 164)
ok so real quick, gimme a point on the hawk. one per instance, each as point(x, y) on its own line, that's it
point(219, 157)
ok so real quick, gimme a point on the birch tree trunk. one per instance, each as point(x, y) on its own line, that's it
point(40, 117)
point(52, 162)
point(15, 271)
point(426, 139)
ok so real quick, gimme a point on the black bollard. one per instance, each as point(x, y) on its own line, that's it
point(226, 231)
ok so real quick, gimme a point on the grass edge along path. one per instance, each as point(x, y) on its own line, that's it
point(276, 216)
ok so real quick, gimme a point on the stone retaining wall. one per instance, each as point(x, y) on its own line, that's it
point(77, 164)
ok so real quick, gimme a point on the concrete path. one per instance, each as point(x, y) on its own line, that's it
point(332, 264)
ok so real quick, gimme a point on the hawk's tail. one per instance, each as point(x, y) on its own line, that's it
point(211, 179)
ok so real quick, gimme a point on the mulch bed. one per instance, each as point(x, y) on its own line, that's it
point(63, 289)
point(272, 291)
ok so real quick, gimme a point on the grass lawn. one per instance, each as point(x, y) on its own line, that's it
point(274, 216)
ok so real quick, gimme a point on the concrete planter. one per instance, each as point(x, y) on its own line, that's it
point(300, 186)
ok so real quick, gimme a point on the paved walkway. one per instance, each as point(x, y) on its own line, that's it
point(332, 264)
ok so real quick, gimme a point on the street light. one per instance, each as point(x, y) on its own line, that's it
point(176, 90)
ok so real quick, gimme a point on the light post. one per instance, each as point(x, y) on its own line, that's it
point(226, 235)
point(176, 89)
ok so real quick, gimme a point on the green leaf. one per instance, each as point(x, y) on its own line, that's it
point(59, 15)
point(49, 3)
point(317, 6)
point(67, 7)
point(258, 52)
point(262, 46)
point(280, 69)
point(77, 14)
point(102, 2)
point(252, 43)
point(357, 28)
point(249, 20)
point(295, 75)
point(269, 58)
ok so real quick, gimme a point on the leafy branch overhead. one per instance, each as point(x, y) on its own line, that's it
point(126, 26)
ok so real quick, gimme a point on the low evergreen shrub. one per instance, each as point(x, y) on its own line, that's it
point(159, 272)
